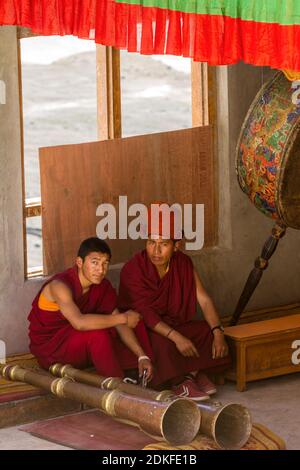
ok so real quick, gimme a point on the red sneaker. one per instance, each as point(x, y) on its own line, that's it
point(189, 389)
point(203, 382)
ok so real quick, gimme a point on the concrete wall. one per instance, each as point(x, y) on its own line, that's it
point(15, 294)
point(242, 229)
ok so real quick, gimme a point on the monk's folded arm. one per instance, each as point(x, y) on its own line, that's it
point(92, 321)
point(183, 344)
point(62, 295)
point(150, 318)
point(167, 331)
point(153, 321)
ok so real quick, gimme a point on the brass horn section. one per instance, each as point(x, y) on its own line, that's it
point(229, 425)
point(109, 383)
point(176, 421)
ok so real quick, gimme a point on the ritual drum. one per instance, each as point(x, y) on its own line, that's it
point(268, 152)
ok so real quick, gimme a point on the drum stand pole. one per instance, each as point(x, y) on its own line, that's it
point(261, 263)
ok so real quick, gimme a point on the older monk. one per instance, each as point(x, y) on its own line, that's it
point(162, 284)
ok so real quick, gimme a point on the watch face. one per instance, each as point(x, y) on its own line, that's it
point(219, 327)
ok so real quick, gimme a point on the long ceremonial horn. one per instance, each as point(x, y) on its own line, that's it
point(176, 421)
point(229, 425)
point(109, 383)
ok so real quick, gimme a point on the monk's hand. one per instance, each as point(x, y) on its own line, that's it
point(219, 346)
point(132, 318)
point(146, 364)
point(184, 345)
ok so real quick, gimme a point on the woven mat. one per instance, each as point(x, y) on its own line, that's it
point(261, 439)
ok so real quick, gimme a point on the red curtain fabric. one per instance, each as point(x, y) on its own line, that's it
point(51, 17)
point(215, 39)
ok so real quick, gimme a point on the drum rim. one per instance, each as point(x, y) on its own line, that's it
point(278, 191)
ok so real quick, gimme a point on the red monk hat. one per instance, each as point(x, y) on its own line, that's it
point(165, 220)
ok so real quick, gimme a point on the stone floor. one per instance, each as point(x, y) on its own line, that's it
point(272, 402)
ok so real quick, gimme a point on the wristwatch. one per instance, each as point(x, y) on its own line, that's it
point(218, 327)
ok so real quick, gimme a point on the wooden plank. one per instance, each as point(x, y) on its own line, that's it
point(171, 166)
point(24, 360)
point(22, 157)
point(204, 94)
point(14, 413)
point(108, 92)
point(262, 349)
point(212, 90)
point(241, 367)
point(200, 107)
point(204, 113)
point(272, 353)
point(267, 327)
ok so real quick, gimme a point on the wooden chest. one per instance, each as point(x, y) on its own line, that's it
point(264, 349)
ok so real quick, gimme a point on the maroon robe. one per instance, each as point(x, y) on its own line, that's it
point(53, 339)
point(172, 300)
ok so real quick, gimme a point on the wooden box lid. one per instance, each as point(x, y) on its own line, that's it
point(266, 327)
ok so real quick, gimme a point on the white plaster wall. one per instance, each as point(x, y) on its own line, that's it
point(15, 294)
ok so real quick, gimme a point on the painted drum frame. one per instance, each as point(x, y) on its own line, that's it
point(268, 152)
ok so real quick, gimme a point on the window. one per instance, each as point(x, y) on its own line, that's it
point(59, 107)
point(156, 93)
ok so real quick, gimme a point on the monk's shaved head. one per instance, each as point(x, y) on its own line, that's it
point(93, 245)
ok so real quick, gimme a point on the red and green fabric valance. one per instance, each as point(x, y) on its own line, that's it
point(259, 32)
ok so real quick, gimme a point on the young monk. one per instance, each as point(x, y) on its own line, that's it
point(162, 285)
point(74, 319)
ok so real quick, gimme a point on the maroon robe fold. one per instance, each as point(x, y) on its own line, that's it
point(53, 339)
point(172, 300)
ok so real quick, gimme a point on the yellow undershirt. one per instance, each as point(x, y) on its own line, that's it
point(45, 304)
